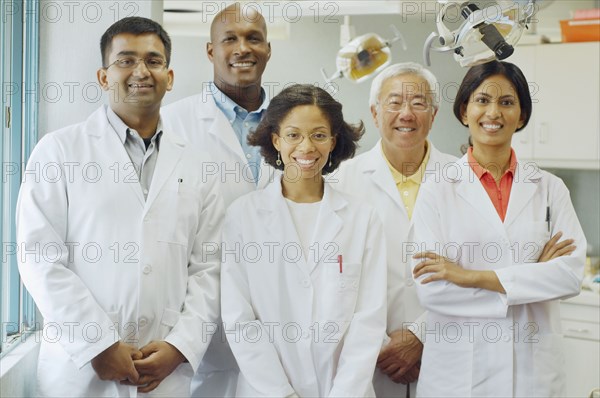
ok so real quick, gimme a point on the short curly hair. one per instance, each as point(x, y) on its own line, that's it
point(347, 135)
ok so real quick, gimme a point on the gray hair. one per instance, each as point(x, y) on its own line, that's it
point(405, 68)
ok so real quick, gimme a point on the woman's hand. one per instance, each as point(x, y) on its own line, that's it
point(554, 248)
point(440, 268)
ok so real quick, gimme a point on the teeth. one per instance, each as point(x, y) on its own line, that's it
point(139, 85)
point(242, 64)
point(305, 162)
point(405, 129)
point(491, 126)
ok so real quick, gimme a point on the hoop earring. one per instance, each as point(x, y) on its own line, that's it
point(278, 161)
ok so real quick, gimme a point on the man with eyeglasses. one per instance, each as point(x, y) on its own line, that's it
point(219, 120)
point(124, 277)
point(404, 100)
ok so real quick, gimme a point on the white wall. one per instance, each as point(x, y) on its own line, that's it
point(70, 34)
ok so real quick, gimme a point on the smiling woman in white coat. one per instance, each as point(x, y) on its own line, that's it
point(491, 268)
point(304, 270)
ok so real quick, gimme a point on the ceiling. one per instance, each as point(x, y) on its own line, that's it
point(193, 17)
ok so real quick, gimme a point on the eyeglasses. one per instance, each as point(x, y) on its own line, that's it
point(316, 138)
point(396, 105)
point(152, 63)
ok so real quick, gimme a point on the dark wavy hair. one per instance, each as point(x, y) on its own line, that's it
point(135, 26)
point(280, 106)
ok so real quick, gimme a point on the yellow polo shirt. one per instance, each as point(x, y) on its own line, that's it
point(408, 187)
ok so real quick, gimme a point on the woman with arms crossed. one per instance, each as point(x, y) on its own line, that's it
point(491, 268)
point(304, 268)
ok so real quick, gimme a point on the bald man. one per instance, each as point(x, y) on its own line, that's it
point(219, 120)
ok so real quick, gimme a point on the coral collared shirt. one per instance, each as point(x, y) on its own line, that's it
point(498, 193)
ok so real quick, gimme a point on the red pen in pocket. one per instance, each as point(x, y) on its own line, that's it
point(340, 262)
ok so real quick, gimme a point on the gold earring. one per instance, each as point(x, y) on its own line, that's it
point(278, 161)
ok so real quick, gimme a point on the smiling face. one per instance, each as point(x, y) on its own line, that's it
point(138, 88)
point(238, 49)
point(306, 159)
point(408, 128)
point(493, 113)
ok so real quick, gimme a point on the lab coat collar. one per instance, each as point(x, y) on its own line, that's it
point(278, 218)
point(274, 197)
point(216, 124)
point(110, 145)
point(472, 191)
point(172, 146)
point(97, 124)
point(220, 126)
point(230, 108)
point(377, 167)
point(525, 172)
point(525, 183)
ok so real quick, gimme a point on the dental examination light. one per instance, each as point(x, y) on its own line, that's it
point(485, 34)
point(363, 56)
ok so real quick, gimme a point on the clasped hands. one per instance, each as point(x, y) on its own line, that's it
point(146, 367)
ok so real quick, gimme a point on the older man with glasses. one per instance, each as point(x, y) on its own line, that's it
point(404, 101)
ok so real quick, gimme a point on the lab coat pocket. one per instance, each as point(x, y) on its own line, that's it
point(535, 236)
point(177, 214)
point(168, 320)
point(341, 291)
point(548, 366)
point(345, 281)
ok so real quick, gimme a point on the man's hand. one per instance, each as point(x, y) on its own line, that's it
point(554, 248)
point(116, 363)
point(160, 360)
point(400, 359)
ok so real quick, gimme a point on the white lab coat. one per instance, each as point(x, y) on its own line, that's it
point(483, 343)
point(298, 325)
point(107, 265)
point(203, 124)
point(207, 129)
point(368, 177)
